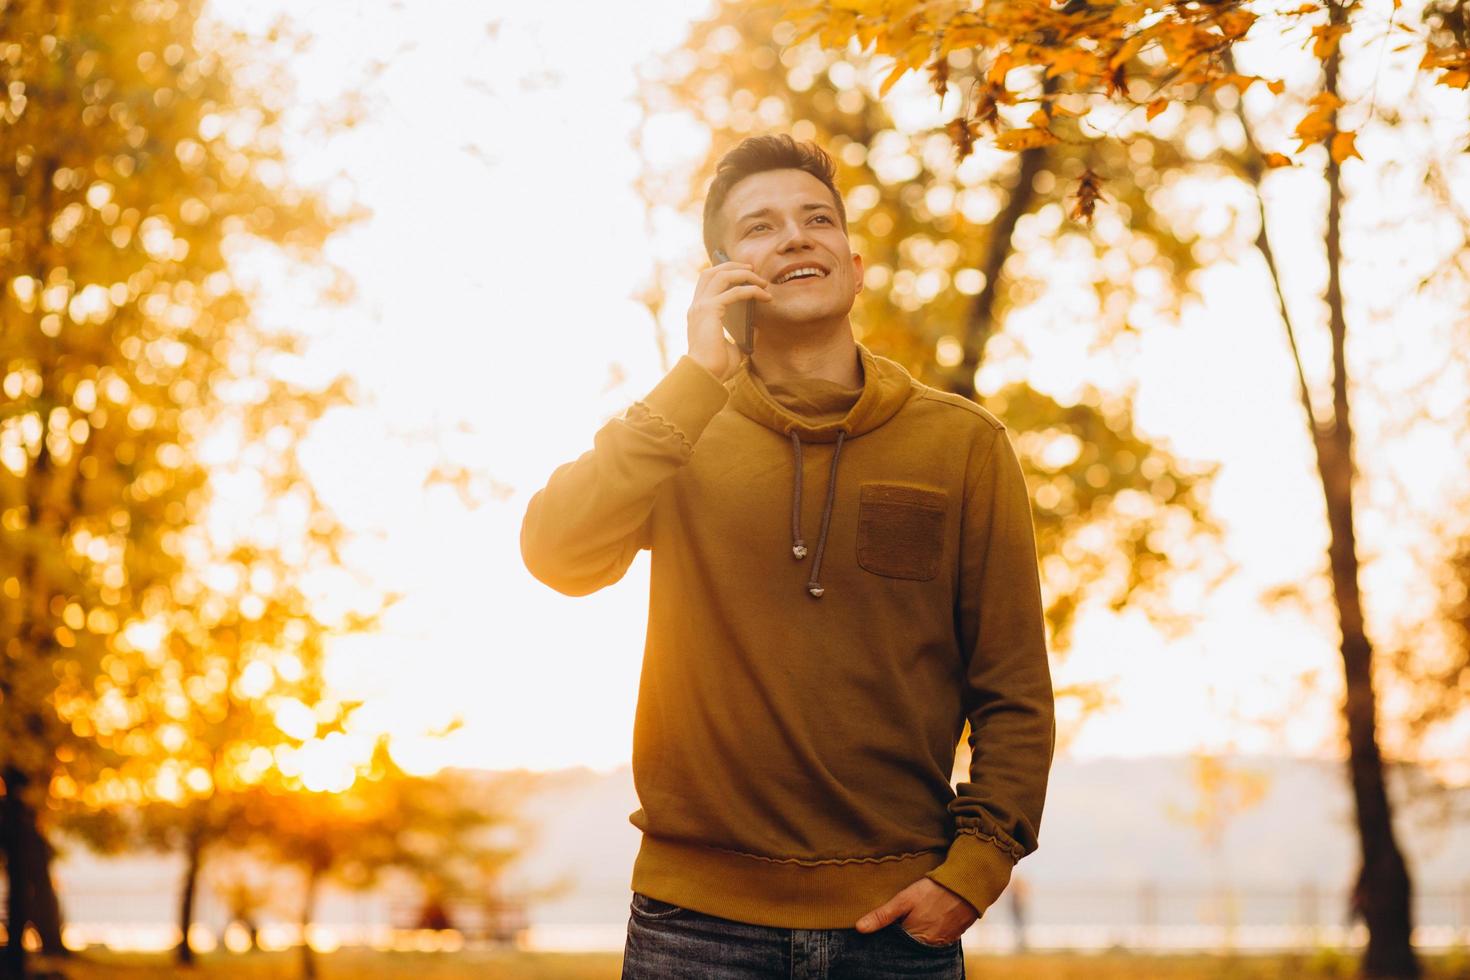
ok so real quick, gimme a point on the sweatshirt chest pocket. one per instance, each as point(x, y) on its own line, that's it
point(900, 530)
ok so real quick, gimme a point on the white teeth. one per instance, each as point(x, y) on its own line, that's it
point(796, 272)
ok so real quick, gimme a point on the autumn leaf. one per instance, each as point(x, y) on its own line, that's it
point(939, 76)
point(1314, 127)
point(1278, 160)
point(1025, 139)
point(1327, 36)
point(962, 133)
point(1089, 192)
point(1157, 106)
point(899, 70)
point(1343, 146)
point(1039, 119)
point(999, 68)
point(1234, 23)
point(1455, 79)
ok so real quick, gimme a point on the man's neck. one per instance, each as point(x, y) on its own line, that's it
point(830, 358)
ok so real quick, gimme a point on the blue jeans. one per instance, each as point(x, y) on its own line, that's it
point(670, 942)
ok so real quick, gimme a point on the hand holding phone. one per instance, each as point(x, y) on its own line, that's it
point(723, 301)
point(739, 318)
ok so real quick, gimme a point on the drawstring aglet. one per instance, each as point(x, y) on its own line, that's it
point(816, 591)
point(799, 550)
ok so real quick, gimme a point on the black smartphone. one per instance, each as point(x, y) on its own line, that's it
point(739, 317)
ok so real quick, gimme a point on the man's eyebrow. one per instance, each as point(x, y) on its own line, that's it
point(813, 206)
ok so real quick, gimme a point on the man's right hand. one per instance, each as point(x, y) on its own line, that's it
point(718, 287)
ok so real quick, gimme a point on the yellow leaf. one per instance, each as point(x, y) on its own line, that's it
point(999, 68)
point(1278, 160)
point(1277, 86)
point(1343, 146)
point(1314, 127)
point(1455, 79)
point(1327, 36)
point(1157, 106)
point(1234, 23)
point(899, 70)
point(1128, 49)
point(1326, 100)
point(1039, 118)
point(1025, 139)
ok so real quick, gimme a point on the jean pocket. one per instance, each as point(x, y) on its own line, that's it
point(900, 530)
point(936, 947)
point(653, 908)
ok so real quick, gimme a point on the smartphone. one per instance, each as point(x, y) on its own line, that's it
point(739, 317)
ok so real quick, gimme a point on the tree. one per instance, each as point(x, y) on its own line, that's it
point(444, 830)
point(134, 156)
point(1115, 58)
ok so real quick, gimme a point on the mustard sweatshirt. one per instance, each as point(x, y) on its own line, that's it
point(837, 583)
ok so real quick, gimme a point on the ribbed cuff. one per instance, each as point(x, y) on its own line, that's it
point(687, 398)
point(976, 870)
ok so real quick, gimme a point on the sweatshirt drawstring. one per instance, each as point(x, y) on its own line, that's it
point(798, 549)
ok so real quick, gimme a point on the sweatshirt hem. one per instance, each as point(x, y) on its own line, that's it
point(781, 892)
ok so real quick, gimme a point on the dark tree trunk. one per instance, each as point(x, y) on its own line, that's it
point(1383, 892)
point(20, 859)
point(1002, 230)
point(31, 898)
point(193, 852)
point(45, 907)
point(308, 907)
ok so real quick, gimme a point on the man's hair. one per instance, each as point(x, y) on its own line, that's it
point(758, 154)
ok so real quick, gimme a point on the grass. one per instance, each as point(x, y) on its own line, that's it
point(361, 964)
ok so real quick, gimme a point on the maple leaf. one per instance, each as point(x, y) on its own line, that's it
point(962, 133)
point(1025, 139)
point(1234, 23)
point(1315, 127)
point(1089, 192)
point(939, 76)
point(1343, 146)
point(1326, 38)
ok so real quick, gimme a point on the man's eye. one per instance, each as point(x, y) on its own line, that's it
point(825, 218)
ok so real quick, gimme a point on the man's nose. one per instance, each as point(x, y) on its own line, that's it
point(795, 236)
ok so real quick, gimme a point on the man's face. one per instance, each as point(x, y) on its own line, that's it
point(782, 220)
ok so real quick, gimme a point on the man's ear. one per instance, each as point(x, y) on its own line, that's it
point(857, 268)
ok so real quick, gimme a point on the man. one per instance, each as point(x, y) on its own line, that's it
point(803, 689)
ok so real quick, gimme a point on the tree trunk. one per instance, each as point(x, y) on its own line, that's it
point(308, 905)
point(19, 872)
point(1383, 889)
point(982, 312)
point(193, 849)
point(45, 907)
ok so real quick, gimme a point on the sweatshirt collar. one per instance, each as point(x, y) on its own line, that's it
point(886, 387)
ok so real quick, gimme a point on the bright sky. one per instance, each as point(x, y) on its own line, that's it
point(494, 284)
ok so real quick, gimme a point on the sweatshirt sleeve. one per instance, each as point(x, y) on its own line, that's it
point(583, 529)
point(1008, 691)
